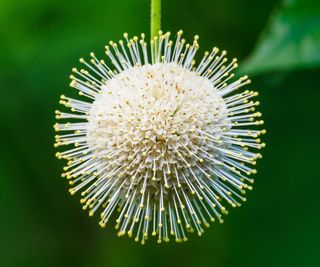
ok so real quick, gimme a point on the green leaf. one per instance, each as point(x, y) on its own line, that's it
point(291, 39)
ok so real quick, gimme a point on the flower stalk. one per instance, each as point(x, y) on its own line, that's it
point(155, 26)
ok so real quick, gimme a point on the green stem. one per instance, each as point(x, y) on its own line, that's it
point(155, 18)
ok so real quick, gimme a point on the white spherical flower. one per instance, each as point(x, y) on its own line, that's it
point(159, 138)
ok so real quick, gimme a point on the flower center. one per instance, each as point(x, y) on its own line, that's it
point(157, 126)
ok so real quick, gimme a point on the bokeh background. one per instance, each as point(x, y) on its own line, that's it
point(278, 45)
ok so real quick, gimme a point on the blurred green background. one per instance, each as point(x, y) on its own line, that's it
point(278, 45)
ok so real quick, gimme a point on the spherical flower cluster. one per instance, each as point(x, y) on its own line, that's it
point(159, 138)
